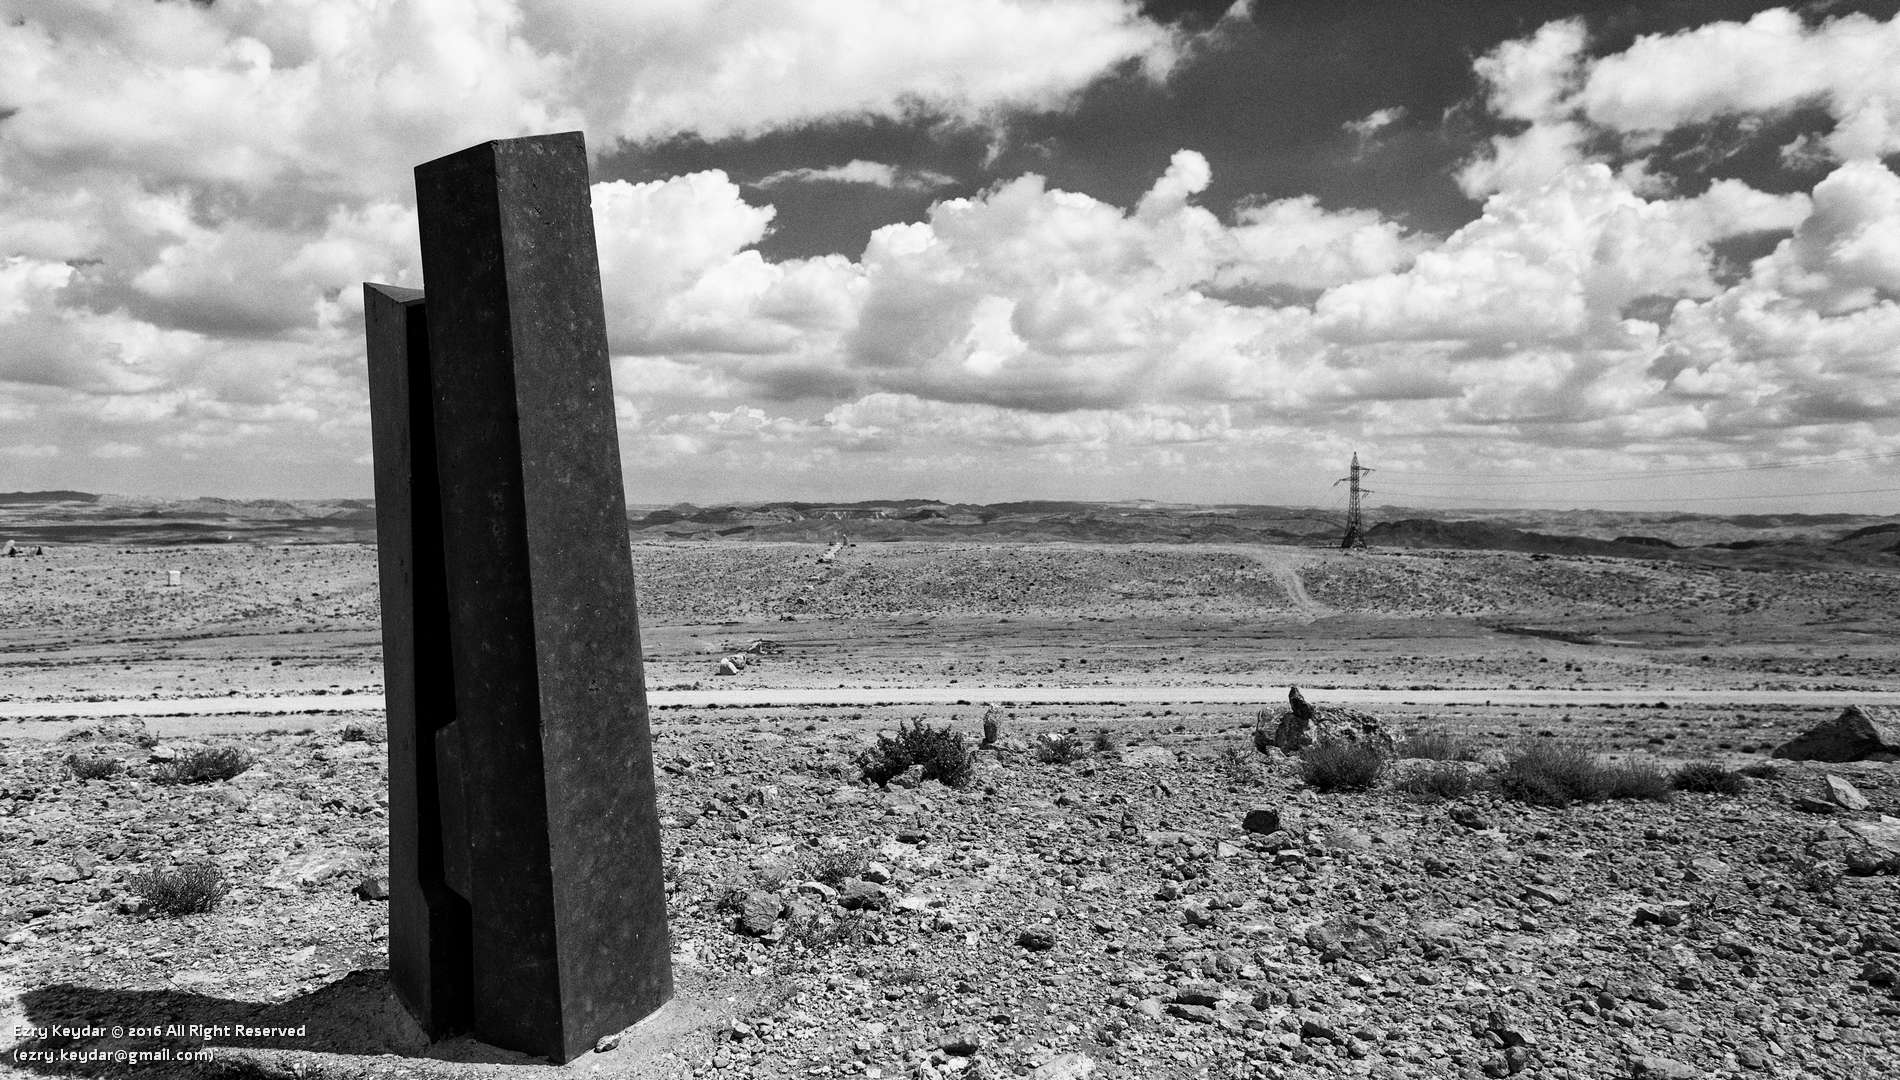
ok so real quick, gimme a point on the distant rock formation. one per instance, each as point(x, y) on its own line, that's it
point(1861, 733)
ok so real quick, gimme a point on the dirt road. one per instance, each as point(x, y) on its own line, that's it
point(765, 697)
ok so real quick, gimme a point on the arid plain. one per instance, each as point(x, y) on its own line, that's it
point(1107, 916)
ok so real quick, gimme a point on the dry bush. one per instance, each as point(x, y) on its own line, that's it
point(1437, 746)
point(1059, 749)
point(202, 765)
point(1342, 765)
point(1106, 742)
point(1547, 773)
point(945, 755)
point(1708, 778)
point(185, 891)
point(1240, 766)
point(834, 867)
point(1635, 780)
point(93, 766)
point(1443, 779)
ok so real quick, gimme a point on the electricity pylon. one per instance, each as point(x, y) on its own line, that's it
point(1354, 537)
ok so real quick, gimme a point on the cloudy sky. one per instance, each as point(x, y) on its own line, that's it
point(1511, 252)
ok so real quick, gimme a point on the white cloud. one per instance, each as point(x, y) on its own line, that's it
point(1769, 66)
point(858, 171)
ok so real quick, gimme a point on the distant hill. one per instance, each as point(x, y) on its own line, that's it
point(1761, 540)
point(16, 498)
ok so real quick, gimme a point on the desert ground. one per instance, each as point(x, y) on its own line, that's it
point(1108, 916)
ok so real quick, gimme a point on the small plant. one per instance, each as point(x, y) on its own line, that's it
point(1106, 742)
point(187, 890)
point(818, 933)
point(202, 765)
point(945, 755)
point(1761, 770)
point(834, 867)
point(1818, 876)
point(1059, 749)
point(1437, 746)
point(360, 733)
point(1442, 779)
point(1708, 778)
point(1240, 766)
point(1635, 780)
point(1553, 773)
point(1342, 765)
point(93, 766)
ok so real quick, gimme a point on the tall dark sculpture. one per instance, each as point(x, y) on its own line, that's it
point(527, 905)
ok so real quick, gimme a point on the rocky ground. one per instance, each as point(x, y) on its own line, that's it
point(1110, 917)
point(1112, 913)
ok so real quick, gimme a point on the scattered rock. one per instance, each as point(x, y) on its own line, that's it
point(1037, 938)
point(1809, 804)
point(1657, 1067)
point(607, 1043)
point(1263, 820)
point(62, 873)
point(373, 888)
point(1844, 794)
point(1199, 1014)
point(759, 912)
point(1064, 1067)
point(1861, 733)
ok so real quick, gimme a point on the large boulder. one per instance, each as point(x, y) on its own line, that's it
point(1861, 733)
point(1302, 725)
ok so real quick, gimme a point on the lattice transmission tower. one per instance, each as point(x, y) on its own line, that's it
point(1355, 522)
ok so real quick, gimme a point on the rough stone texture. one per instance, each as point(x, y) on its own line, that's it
point(546, 796)
point(1860, 733)
point(1290, 730)
point(1845, 794)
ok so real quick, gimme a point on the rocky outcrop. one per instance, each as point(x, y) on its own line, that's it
point(1302, 725)
point(1861, 733)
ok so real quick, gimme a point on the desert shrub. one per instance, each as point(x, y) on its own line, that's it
point(360, 733)
point(202, 765)
point(834, 867)
point(1342, 765)
point(1708, 778)
point(818, 933)
point(185, 891)
point(1552, 773)
point(1636, 780)
point(93, 766)
point(1443, 779)
point(1106, 742)
point(1240, 767)
point(1059, 749)
point(945, 755)
point(1438, 746)
point(1761, 770)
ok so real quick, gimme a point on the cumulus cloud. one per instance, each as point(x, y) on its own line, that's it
point(1571, 107)
point(191, 194)
point(858, 171)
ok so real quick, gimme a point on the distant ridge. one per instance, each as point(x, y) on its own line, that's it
point(17, 498)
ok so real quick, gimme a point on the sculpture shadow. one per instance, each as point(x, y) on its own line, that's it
point(357, 1015)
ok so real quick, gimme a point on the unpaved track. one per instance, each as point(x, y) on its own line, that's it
point(765, 697)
